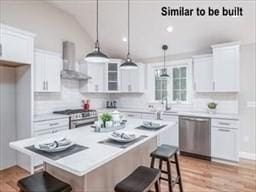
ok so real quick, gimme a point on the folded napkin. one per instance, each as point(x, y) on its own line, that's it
point(123, 135)
point(55, 144)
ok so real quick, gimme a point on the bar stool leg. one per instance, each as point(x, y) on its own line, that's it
point(157, 186)
point(178, 171)
point(169, 176)
point(152, 162)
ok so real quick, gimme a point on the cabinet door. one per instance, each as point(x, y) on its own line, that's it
point(96, 71)
point(225, 143)
point(226, 69)
point(203, 78)
point(112, 76)
point(52, 73)
point(132, 80)
point(171, 135)
point(16, 47)
point(39, 73)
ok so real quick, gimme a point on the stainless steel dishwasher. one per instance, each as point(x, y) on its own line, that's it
point(195, 136)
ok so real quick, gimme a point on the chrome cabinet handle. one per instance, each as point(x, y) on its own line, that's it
point(1, 51)
point(195, 119)
point(213, 85)
point(223, 123)
point(224, 130)
point(52, 124)
point(43, 85)
point(131, 115)
point(47, 85)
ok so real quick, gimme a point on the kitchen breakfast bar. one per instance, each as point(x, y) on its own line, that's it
point(99, 166)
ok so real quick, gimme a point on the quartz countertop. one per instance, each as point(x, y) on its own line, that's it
point(176, 112)
point(49, 116)
point(96, 155)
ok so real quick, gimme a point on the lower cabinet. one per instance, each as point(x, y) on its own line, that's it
point(224, 142)
point(48, 127)
point(170, 136)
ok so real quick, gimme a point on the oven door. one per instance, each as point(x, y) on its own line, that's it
point(82, 122)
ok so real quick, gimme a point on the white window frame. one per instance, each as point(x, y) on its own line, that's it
point(170, 65)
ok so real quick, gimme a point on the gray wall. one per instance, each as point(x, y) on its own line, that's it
point(50, 24)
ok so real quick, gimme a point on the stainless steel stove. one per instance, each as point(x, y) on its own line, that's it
point(79, 117)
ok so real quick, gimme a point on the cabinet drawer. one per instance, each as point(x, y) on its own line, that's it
point(148, 116)
point(132, 115)
point(173, 118)
point(232, 124)
point(44, 125)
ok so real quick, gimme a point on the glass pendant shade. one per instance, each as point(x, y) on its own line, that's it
point(164, 70)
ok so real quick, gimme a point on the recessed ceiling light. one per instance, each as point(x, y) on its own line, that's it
point(169, 29)
point(124, 39)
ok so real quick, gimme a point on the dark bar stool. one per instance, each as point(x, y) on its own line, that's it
point(43, 182)
point(141, 180)
point(168, 154)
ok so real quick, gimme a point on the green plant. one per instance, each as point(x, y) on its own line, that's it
point(212, 105)
point(105, 117)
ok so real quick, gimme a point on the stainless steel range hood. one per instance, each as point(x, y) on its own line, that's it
point(69, 69)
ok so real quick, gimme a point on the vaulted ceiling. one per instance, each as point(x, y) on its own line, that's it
point(148, 26)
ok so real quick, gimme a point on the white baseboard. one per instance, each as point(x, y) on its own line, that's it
point(245, 155)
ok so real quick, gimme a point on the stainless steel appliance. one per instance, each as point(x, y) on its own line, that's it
point(79, 117)
point(195, 136)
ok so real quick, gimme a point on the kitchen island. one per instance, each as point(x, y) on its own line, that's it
point(101, 166)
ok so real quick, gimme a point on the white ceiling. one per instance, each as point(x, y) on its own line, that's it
point(148, 26)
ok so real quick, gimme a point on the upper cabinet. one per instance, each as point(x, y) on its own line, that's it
point(110, 78)
point(97, 83)
point(132, 80)
point(226, 67)
point(203, 77)
point(16, 45)
point(47, 70)
point(218, 72)
point(113, 75)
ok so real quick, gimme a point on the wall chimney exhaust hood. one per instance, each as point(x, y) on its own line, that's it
point(69, 69)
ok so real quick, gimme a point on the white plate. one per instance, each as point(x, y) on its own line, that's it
point(122, 140)
point(57, 149)
point(151, 126)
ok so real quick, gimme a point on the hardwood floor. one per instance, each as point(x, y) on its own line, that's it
point(198, 176)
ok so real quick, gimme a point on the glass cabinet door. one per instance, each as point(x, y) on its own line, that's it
point(112, 76)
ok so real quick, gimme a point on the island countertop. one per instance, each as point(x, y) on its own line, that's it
point(96, 155)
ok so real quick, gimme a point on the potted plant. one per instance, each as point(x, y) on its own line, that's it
point(212, 107)
point(105, 117)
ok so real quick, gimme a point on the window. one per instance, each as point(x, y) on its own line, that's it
point(175, 87)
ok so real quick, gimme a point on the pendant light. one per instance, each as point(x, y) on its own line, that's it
point(128, 64)
point(164, 70)
point(97, 56)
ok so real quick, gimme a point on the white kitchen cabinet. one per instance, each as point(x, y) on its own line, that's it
point(113, 75)
point(132, 80)
point(224, 140)
point(97, 83)
point(203, 76)
point(226, 67)
point(16, 45)
point(171, 135)
point(47, 70)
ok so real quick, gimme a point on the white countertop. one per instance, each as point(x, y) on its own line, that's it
point(98, 154)
point(49, 116)
point(185, 113)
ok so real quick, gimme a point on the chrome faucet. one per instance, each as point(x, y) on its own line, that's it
point(165, 103)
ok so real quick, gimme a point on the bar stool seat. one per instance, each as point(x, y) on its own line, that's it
point(43, 182)
point(164, 152)
point(141, 180)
